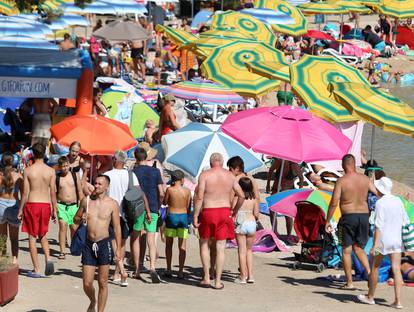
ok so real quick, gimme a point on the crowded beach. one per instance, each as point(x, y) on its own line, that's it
point(204, 154)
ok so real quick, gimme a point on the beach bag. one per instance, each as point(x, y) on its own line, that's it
point(408, 237)
point(79, 238)
point(133, 204)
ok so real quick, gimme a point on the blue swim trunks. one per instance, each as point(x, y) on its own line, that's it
point(98, 253)
point(176, 225)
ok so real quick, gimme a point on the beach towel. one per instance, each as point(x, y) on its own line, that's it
point(265, 241)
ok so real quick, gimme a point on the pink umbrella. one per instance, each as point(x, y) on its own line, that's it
point(287, 132)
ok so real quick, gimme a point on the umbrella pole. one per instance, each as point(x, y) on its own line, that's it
point(222, 5)
point(340, 33)
point(192, 9)
point(372, 143)
point(91, 172)
point(279, 183)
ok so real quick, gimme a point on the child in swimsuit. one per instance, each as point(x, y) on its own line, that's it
point(245, 221)
point(157, 68)
point(178, 199)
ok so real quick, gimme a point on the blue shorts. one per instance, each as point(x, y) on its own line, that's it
point(176, 225)
point(98, 253)
point(9, 211)
point(380, 46)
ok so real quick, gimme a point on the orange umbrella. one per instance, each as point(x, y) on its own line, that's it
point(98, 135)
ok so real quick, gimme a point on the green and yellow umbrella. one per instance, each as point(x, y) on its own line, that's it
point(310, 78)
point(8, 7)
point(246, 24)
point(177, 36)
point(352, 6)
point(226, 65)
point(204, 45)
point(321, 8)
point(300, 27)
point(375, 106)
point(397, 8)
point(271, 70)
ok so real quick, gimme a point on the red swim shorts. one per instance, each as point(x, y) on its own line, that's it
point(216, 223)
point(36, 218)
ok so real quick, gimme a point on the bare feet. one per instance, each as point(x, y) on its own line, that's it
point(348, 287)
point(92, 307)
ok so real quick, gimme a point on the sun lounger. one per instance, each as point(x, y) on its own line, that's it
point(348, 59)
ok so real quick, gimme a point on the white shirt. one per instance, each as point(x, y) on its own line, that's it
point(390, 217)
point(119, 183)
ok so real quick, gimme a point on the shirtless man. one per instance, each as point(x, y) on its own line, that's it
point(178, 199)
point(168, 121)
point(66, 44)
point(42, 120)
point(351, 192)
point(37, 206)
point(69, 193)
point(98, 210)
point(216, 223)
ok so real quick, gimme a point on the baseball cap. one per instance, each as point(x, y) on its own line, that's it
point(169, 97)
point(120, 156)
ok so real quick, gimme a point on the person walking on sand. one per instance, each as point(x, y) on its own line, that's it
point(99, 210)
point(119, 177)
point(351, 192)
point(37, 206)
point(245, 220)
point(178, 200)
point(69, 194)
point(216, 223)
point(11, 183)
point(390, 217)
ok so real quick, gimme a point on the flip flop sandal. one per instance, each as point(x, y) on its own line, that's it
point(123, 283)
point(32, 274)
point(364, 299)
point(155, 277)
point(218, 288)
point(345, 287)
point(50, 268)
point(250, 281)
point(396, 306)
point(204, 285)
point(62, 256)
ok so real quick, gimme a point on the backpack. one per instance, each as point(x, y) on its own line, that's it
point(74, 180)
point(133, 204)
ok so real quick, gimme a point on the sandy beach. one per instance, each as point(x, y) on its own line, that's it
point(277, 287)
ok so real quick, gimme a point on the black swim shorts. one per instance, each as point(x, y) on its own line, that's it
point(98, 253)
point(353, 228)
point(137, 53)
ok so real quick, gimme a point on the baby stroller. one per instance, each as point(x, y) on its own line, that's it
point(318, 247)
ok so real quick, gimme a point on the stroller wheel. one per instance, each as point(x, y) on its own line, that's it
point(296, 265)
point(320, 267)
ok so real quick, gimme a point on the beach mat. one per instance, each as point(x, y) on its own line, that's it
point(266, 241)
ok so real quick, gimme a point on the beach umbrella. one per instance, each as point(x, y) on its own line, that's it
point(58, 24)
point(218, 37)
point(375, 106)
point(8, 7)
point(92, 8)
point(134, 115)
point(190, 148)
point(126, 6)
point(300, 25)
point(269, 16)
point(98, 135)
point(310, 78)
point(245, 24)
point(226, 65)
point(284, 202)
point(122, 31)
point(271, 70)
point(321, 8)
point(288, 133)
point(26, 42)
point(204, 91)
point(27, 20)
point(10, 28)
point(74, 20)
point(202, 17)
point(178, 36)
point(352, 6)
point(409, 208)
point(397, 8)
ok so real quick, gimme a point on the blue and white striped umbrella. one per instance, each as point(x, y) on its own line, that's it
point(26, 42)
point(269, 16)
point(74, 20)
point(58, 24)
point(28, 19)
point(189, 149)
point(126, 6)
point(93, 8)
point(10, 28)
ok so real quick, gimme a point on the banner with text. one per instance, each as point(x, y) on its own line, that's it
point(37, 87)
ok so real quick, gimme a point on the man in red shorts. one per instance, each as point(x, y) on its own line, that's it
point(37, 206)
point(215, 188)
